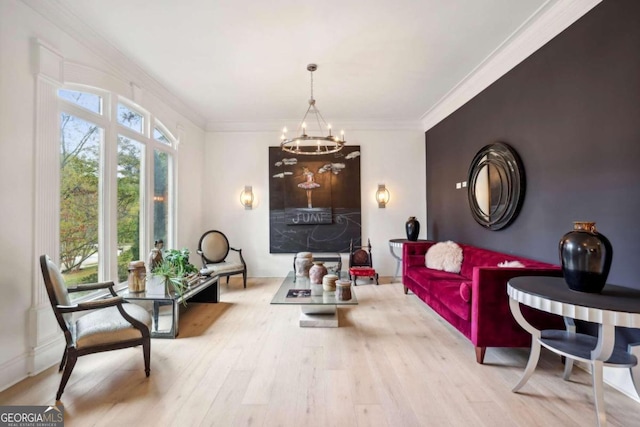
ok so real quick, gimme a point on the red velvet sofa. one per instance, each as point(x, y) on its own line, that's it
point(475, 301)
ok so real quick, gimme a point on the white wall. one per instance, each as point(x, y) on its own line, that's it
point(235, 159)
point(19, 27)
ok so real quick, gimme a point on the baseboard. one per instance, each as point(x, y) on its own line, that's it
point(13, 371)
point(45, 355)
point(618, 378)
point(31, 363)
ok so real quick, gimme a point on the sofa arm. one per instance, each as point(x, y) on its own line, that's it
point(492, 324)
point(413, 253)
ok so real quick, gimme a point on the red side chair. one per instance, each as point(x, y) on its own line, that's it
point(360, 263)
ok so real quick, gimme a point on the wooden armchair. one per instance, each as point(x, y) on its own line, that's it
point(112, 325)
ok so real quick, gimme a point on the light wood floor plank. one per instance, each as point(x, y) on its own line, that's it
point(392, 362)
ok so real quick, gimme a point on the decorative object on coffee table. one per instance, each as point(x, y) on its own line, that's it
point(343, 290)
point(137, 276)
point(329, 282)
point(174, 272)
point(317, 272)
point(412, 227)
point(316, 289)
point(586, 258)
point(155, 256)
point(303, 262)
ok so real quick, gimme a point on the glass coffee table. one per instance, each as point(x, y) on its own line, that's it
point(317, 311)
point(165, 307)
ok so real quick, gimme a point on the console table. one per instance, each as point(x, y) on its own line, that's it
point(397, 243)
point(615, 306)
point(165, 307)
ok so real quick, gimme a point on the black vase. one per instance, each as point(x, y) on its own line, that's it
point(413, 228)
point(586, 258)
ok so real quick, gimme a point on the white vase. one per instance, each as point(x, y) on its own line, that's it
point(303, 262)
point(156, 285)
point(316, 289)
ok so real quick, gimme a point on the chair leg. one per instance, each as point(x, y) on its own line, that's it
point(406, 290)
point(68, 367)
point(227, 280)
point(64, 359)
point(244, 279)
point(146, 351)
point(377, 283)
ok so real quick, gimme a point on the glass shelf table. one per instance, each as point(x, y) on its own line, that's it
point(165, 307)
point(317, 311)
point(614, 306)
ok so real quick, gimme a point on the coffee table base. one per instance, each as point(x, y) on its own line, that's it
point(318, 316)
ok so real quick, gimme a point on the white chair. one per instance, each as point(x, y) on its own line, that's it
point(214, 248)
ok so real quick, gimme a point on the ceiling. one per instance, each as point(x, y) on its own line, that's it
point(245, 61)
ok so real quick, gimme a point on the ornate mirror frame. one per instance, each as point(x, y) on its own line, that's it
point(496, 186)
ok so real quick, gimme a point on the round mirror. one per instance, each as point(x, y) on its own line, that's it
point(496, 186)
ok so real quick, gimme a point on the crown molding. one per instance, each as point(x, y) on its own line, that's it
point(548, 21)
point(348, 126)
point(120, 64)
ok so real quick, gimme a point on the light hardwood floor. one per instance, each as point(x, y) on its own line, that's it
point(392, 362)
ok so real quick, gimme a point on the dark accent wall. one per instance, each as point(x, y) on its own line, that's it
point(572, 112)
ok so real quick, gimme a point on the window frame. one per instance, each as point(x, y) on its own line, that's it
point(107, 209)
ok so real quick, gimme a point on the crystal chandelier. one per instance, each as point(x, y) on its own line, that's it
point(312, 145)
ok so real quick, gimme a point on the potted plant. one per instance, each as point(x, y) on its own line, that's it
point(174, 270)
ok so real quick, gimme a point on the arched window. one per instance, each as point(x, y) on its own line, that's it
point(117, 184)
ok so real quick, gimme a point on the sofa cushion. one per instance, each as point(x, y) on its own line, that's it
point(465, 291)
point(446, 256)
point(448, 292)
point(424, 274)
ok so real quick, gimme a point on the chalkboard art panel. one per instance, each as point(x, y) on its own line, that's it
point(314, 201)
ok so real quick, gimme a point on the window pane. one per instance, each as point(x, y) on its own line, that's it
point(158, 135)
point(129, 181)
point(79, 195)
point(129, 118)
point(161, 161)
point(88, 101)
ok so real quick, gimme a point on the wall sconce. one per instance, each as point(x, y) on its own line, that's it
point(246, 197)
point(382, 196)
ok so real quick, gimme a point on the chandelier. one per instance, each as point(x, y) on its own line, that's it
point(312, 145)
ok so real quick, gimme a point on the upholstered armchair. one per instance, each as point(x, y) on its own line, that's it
point(112, 323)
point(214, 249)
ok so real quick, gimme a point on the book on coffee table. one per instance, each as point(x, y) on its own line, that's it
point(298, 293)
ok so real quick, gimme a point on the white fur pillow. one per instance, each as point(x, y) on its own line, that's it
point(511, 264)
point(445, 256)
